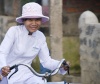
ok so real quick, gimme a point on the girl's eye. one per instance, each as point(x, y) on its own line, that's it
point(30, 19)
point(38, 19)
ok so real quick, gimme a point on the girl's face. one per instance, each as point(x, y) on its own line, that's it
point(32, 24)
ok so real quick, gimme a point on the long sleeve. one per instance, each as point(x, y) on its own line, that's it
point(47, 61)
point(45, 58)
point(6, 46)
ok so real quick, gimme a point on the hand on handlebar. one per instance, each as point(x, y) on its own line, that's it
point(62, 64)
point(66, 65)
point(5, 70)
point(0, 77)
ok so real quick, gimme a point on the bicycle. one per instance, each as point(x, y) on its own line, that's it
point(45, 75)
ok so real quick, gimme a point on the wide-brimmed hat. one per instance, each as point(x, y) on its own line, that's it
point(32, 10)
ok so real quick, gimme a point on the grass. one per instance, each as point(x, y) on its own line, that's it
point(70, 53)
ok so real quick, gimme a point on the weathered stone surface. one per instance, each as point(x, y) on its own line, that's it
point(1, 7)
point(87, 17)
point(5, 23)
point(89, 48)
point(12, 7)
point(56, 31)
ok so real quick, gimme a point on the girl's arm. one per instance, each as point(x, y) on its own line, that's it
point(6, 45)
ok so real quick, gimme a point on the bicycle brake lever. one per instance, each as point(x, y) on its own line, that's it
point(16, 69)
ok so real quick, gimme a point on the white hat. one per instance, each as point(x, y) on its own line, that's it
point(32, 10)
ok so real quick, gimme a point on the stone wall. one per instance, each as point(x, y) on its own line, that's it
point(89, 48)
point(1, 7)
point(70, 24)
point(5, 23)
point(72, 9)
point(74, 6)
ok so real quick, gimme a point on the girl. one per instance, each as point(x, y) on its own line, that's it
point(22, 44)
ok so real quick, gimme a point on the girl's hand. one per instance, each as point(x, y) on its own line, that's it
point(5, 70)
point(66, 66)
point(0, 77)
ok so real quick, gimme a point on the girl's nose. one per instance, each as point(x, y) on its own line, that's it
point(33, 21)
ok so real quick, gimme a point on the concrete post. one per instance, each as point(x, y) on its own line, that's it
point(89, 48)
point(56, 28)
point(56, 31)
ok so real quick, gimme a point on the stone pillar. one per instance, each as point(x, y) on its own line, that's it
point(5, 23)
point(89, 48)
point(56, 31)
point(56, 28)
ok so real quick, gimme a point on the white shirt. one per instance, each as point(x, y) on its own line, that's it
point(19, 47)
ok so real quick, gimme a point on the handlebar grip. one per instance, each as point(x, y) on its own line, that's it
point(12, 67)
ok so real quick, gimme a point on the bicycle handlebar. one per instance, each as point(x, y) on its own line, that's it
point(37, 74)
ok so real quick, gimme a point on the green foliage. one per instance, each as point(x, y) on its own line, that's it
point(36, 64)
point(71, 53)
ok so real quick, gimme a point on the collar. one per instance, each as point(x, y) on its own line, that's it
point(27, 32)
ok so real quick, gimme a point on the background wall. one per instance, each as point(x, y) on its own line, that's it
point(72, 10)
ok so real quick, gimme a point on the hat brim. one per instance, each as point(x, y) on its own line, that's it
point(20, 19)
